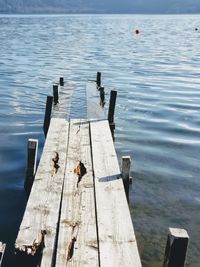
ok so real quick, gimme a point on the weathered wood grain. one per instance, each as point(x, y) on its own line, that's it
point(95, 109)
point(37, 232)
point(117, 242)
point(62, 108)
point(77, 242)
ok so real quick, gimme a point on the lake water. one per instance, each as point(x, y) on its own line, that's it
point(157, 75)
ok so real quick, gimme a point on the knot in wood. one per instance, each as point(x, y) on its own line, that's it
point(80, 170)
point(55, 161)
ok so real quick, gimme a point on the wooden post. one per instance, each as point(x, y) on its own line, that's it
point(126, 165)
point(55, 94)
point(98, 79)
point(2, 250)
point(31, 164)
point(111, 111)
point(47, 116)
point(176, 248)
point(102, 96)
point(61, 81)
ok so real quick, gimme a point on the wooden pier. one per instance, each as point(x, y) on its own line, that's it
point(77, 212)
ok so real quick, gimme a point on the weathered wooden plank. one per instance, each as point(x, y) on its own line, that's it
point(95, 107)
point(117, 242)
point(77, 242)
point(37, 234)
point(62, 107)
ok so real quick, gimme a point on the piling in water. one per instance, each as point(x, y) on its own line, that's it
point(61, 81)
point(126, 165)
point(47, 116)
point(111, 111)
point(55, 94)
point(176, 248)
point(98, 79)
point(32, 149)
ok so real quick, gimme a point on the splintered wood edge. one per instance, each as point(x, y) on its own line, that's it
point(32, 249)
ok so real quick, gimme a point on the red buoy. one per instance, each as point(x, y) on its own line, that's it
point(137, 31)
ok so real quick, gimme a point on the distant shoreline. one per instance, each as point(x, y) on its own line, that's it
point(90, 13)
point(110, 7)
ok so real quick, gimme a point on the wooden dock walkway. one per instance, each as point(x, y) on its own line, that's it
point(77, 213)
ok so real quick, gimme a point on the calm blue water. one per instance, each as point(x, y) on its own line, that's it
point(157, 76)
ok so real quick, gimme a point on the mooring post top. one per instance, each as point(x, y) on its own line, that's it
point(61, 81)
point(32, 143)
point(178, 233)
point(2, 246)
point(126, 164)
point(98, 73)
point(55, 94)
point(126, 158)
point(111, 110)
point(113, 93)
point(98, 80)
point(50, 97)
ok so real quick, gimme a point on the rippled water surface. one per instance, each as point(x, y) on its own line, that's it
point(157, 76)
